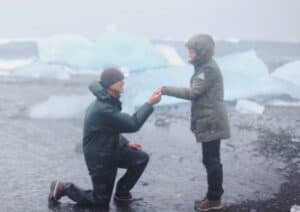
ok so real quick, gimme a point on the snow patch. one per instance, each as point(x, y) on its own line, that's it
point(11, 64)
point(61, 107)
point(285, 103)
point(249, 107)
point(295, 208)
point(43, 70)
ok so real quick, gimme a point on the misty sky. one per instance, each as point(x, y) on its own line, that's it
point(167, 19)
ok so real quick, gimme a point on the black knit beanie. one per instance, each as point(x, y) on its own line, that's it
point(110, 76)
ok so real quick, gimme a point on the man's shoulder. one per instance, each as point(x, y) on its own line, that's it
point(99, 106)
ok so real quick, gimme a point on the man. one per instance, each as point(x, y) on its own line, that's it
point(105, 149)
point(209, 120)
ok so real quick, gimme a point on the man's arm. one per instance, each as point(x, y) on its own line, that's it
point(125, 123)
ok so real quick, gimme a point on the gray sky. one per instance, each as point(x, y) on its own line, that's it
point(176, 19)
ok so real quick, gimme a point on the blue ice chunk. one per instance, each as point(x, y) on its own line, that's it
point(289, 77)
point(110, 48)
point(243, 75)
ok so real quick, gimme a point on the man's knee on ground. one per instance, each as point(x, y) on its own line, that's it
point(143, 159)
point(101, 199)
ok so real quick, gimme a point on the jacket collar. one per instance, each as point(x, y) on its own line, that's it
point(198, 64)
point(100, 92)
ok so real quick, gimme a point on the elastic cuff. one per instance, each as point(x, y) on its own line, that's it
point(164, 90)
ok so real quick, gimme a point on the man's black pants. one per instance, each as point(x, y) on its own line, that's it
point(133, 160)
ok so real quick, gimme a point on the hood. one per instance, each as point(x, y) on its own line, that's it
point(204, 46)
point(100, 92)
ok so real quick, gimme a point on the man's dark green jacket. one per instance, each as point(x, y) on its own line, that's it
point(103, 124)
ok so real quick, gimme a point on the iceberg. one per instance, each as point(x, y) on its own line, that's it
point(43, 70)
point(289, 72)
point(110, 48)
point(241, 72)
point(244, 63)
point(171, 55)
point(246, 75)
point(72, 50)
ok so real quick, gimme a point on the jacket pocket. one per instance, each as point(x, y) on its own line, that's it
point(202, 124)
point(206, 124)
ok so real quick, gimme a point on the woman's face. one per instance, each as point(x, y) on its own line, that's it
point(192, 54)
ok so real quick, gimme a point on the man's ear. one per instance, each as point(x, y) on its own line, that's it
point(113, 91)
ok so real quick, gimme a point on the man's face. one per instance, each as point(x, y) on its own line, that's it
point(117, 87)
point(192, 54)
